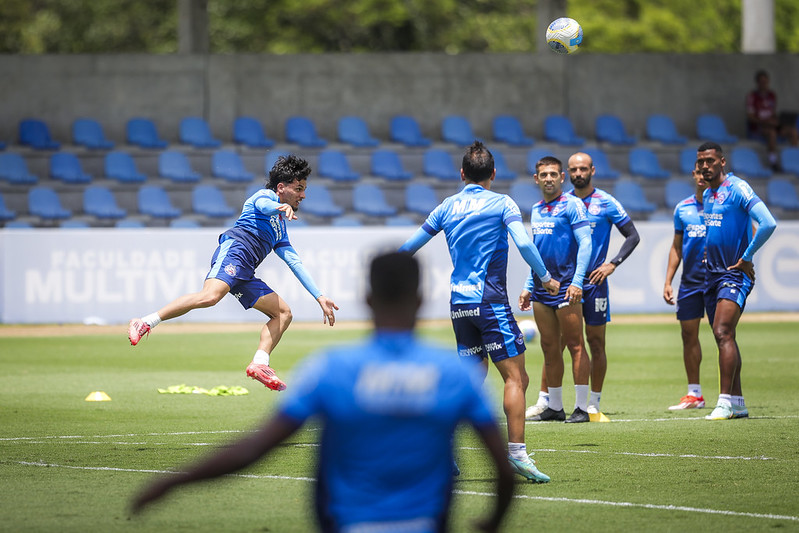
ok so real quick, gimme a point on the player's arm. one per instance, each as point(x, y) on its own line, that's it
point(631, 240)
point(492, 439)
point(239, 455)
point(765, 227)
point(421, 237)
point(574, 293)
point(289, 255)
point(675, 257)
point(270, 207)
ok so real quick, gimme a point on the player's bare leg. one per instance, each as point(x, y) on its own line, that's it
point(279, 313)
point(552, 375)
point(516, 381)
point(731, 403)
point(571, 326)
point(595, 338)
point(692, 359)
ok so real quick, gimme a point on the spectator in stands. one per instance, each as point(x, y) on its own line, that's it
point(688, 247)
point(388, 408)
point(764, 121)
point(260, 229)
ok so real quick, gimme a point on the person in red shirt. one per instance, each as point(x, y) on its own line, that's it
point(763, 120)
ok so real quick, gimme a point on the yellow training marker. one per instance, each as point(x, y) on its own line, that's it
point(98, 396)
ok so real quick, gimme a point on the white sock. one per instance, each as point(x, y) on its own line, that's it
point(695, 389)
point(517, 450)
point(152, 320)
point(556, 398)
point(261, 358)
point(738, 401)
point(581, 397)
point(594, 399)
point(725, 399)
point(543, 399)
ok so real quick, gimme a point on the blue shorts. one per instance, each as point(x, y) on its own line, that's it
point(690, 302)
point(596, 304)
point(557, 301)
point(486, 330)
point(231, 263)
point(730, 285)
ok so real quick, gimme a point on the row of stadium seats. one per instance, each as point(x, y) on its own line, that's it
point(369, 202)
point(335, 165)
point(354, 131)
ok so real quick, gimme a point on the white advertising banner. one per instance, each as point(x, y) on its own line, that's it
point(111, 275)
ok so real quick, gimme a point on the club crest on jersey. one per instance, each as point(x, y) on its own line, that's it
point(230, 270)
point(720, 197)
point(557, 209)
point(593, 209)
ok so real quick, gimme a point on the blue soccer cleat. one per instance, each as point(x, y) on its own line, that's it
point(526, 468)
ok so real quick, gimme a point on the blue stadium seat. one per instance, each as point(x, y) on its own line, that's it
point(745, 163)
point(354, 131)
point(120, 166)
point(676, 190)
point(644, 162)
point(781, 193)
point(208, 200)
point(271, 158)
point(14, 170)
point(368, 199)
point(319, 202)
point(88, 132)
point(405, 130)
point(457, 130)
point(175, 166)
point(789, 159)
point(346, 222)
point(74, 223)
point(129, 223)
point(301, 130)
point(603, 170)
point(400, 220)
point(710, 127)
point(100, 202)
point(534, 156)
point(687, 160)
point(153, 200)
point(249, 132)
point(335, 165)
point(438, 164)
point(226, 164)
point(5, 212)
point(501, 166)
point(661, 128)
point(610, 129)
point(507, 129)
point(194, 131)
point(143, 133)
point(525, 194)
point(387, 164)
point(559, 129)
point(632, 197)
point(44, 202)
point(184, 223)
point(66, 167)
point(420, 198)
point(36, 134)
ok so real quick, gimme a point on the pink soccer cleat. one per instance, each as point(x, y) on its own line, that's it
point(136, 330)
point(689, 402)
point(265, 375)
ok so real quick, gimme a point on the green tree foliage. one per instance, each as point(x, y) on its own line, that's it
point(313, 26)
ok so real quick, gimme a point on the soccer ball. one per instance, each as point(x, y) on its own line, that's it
point(529, 329)
point(564, 35)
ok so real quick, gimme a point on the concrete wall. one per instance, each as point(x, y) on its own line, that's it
point(325, 87)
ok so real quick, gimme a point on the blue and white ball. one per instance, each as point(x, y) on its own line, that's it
point(564, 35)
point(529, 329)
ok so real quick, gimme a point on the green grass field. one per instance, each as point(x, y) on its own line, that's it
point(71, 465)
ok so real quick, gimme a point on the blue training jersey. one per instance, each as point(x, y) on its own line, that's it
point(727, 221)
point(388, 407)
point(260, 232)
point(475, 223)
point(553, 226)
point(689, 221)
point(604, 211)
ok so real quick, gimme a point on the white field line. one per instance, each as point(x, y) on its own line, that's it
point(464, 493)
point(648, 454)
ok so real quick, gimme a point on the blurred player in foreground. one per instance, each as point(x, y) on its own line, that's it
point(730, 208)
point(476, 222)
point(388, 408)
point(260, 229)
point(562, 233)
point(688, 247)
